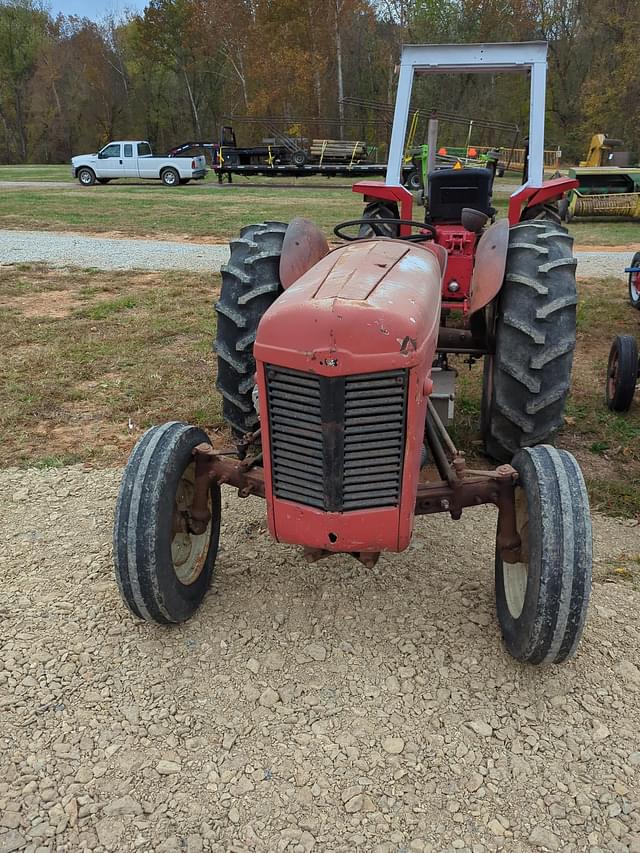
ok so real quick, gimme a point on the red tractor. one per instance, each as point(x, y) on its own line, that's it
point(333, 367)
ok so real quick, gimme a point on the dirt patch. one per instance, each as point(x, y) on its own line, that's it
point(45, 303)
point(631, 247)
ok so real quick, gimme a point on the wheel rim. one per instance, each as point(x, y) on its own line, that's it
point(516, 575)
point(634, 293)
point(85, 178)
point(188, 551)
point(169, 178)
point(612, 375)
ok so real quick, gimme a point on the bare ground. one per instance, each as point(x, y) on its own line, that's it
point(326, 708)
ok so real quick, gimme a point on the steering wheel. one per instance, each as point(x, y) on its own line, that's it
point(411, 238)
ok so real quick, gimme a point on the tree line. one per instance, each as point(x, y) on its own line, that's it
point(181, 67)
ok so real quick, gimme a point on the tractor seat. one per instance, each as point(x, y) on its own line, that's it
point(452, 189)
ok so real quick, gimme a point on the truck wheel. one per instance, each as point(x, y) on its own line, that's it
point(527, 379)
point(634, 282)
point(622, 373)
point(103, 180)
point(170, 178)
point(542, 601)
point(163, 571)
point(299, 158)
point(379, 210)
point(250, 284)
point(86, 176)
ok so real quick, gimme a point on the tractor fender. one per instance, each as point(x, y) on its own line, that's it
point(490, 263)
point(304, 245)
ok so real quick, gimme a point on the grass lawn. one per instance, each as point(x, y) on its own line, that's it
point(89, 359)
point(208, 211)
point(35, 173)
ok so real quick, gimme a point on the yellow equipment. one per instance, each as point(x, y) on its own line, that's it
point(600, 150)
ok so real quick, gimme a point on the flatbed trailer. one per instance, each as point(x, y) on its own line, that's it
point(288, 170)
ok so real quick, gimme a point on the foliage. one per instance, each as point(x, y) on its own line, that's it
point(68, 84)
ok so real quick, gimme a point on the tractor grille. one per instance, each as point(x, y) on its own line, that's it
point(337, 443)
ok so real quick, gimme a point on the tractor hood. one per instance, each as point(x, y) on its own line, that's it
point(368, 306)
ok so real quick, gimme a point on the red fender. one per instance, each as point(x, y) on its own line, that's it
point(490, 263)
point(303, 246)
point(549, 191)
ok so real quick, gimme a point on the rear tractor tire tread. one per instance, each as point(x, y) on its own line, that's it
point(250, 285)
point(535, 340)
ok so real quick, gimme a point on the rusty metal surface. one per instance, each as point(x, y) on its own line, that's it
point(490, 262)
point(304, 245)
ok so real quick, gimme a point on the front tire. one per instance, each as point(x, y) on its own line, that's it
point(622, 373)
point(542, 601)
point(250, 284)
point(634, 282)
point(170, 178)
point(163, 571)
point(528, 379)
point(86, 177)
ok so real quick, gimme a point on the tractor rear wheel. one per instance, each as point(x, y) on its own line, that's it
point(163, 570)
point(526, 380)
point(379, 210)
point(542, 600)
point(250, 284)
point(622, 373)
point(634, 282)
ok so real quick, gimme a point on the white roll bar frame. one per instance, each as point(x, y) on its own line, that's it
point(529, 56)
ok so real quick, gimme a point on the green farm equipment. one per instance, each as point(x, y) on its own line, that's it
point(607, 192)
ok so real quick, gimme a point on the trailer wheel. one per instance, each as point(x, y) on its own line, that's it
point(379, 210)
point(170, 178)
point(103, 180)
point(163, 571)
point(414, 180)
point(250, 284)
point(86, 176)
point(622, 373)
point(299, 158)
point(184, 181)
point(634, 282)
point(542, 601)
point(527, 381)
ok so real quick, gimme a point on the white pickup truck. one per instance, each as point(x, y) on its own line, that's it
point(133, 159)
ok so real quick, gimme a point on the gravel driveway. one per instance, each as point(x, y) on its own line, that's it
point(62, 249)
point(326, 708)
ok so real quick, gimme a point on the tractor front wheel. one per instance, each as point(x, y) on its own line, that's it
point(163, 570)
point(527, 378)
point(622, 373)
point(250, 284)
point(542, 600)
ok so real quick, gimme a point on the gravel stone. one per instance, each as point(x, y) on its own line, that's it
point(65, 249)
point(393, 745)
point(95, 704)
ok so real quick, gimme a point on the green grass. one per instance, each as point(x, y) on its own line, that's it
point(35, 173)
point(210, 211)
point(90, 359)
point(153, 210)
